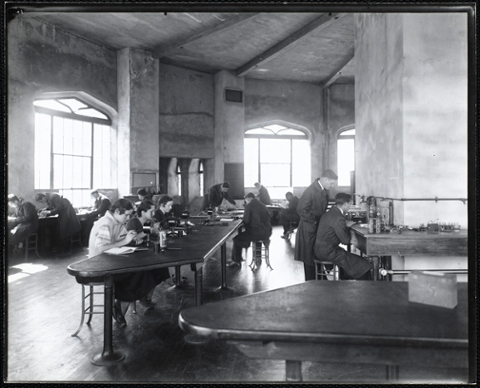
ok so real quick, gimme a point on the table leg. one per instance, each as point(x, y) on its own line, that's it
point(223, 264)
point(293, 370)
point(376, 266)
point(108, 355)
point(178, 280)
point(198, 285)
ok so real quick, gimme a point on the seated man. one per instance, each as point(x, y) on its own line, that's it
point(68, 223)
point(289, 214)
point(23, 222)
point(143, 195)
point(333, 229)
point(263, 195)
point(257, 224)
point(218, 193)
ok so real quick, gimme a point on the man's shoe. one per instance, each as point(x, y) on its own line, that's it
point(233, 264)
point(117, 313)
point(284, 236)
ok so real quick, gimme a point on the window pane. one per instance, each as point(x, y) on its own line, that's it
point(274, 150)
point(57, 135)
point(68, 136)
point(58, 171)
point(275, 127)
point(292, 132)
point(42, 151)
point(250, 161)
point(345, 160)
point(350, 132)
point(301, 163)
point(275, 174)
point(51, 104)
point(259, 131)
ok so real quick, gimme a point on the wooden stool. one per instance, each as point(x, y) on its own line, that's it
point(31, 244)
point(261, 249)
point(90, 309)
point(76, 238)
point(321, 272)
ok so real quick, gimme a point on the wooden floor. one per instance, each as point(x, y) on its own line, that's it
point(44, 310)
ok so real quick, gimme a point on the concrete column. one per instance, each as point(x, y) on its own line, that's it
point(229, 124)
point(138, 105)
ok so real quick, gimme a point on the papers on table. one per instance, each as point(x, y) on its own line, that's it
point(124, 250)
point(226, 219)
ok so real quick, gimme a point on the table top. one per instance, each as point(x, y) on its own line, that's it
point(362, 312)
point(196, 247)
point(410, 234)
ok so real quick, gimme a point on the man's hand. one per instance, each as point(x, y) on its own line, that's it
point(350, 223)
point(130, 236)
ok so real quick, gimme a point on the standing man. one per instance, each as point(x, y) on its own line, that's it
point(311, 206)
point(289, 214)
point(263, 195)
point(68, 223)
point(23, 222)
point(334, 229)
point(218, 193)
point(257, 224)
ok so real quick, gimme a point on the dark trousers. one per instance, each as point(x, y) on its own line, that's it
point(243, 240)
point(309, 272)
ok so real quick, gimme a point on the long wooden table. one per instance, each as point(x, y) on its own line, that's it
point(382, 246)
point(345, 322)
point(195, 248)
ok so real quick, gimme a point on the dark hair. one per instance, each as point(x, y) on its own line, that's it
point(122, 205)
point(40, 196)
point(256, 184)
point(329, 174)
point(288, 194)
point(144, 206)
point(142, 192)
point(13, 198)
point(226, 185)
point(342, 198)
point(163, 200)
point(250, 195)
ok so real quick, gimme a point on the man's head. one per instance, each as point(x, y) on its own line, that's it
point(95, 194)
point(257, 185)
point(41, 198)
point(225, 186)
point(289, 195)
point(328, 179)
point(165, 204)
point(249, 197)
point(343, 201)
point(121, 210)
point(13, 201)
point(142, 193)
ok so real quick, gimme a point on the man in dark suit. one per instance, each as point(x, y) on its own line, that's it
point(263, 195)
point(218, 193)
point(311, 206)
point(333, 230)
point(256, 219)
point(23, 222)
point(289, 214)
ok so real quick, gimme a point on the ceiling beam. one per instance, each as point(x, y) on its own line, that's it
point(338, 72)
point(319, 23)
point(164, 50)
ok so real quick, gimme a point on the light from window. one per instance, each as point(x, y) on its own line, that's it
point(345, 156)
point(67, 149)
point(179, 179)
point(201, 177)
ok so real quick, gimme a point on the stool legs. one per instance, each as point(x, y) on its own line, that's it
point(260, 249)
point(90, 310)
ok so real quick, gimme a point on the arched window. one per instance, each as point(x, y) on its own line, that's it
point(179, 179)
point(278, 156)
point(201, 177)
point(345, 155)
point(73, 145)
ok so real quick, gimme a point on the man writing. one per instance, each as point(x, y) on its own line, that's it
point(333, 230)
point(263, 195)
point(311, 206)
point(289, 214)
point(23, 222)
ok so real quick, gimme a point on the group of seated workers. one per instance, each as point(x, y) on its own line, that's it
point(22, 220)
point(123, 225)
point(68, 223)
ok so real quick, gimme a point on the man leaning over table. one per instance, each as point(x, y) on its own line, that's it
point(333, 230)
